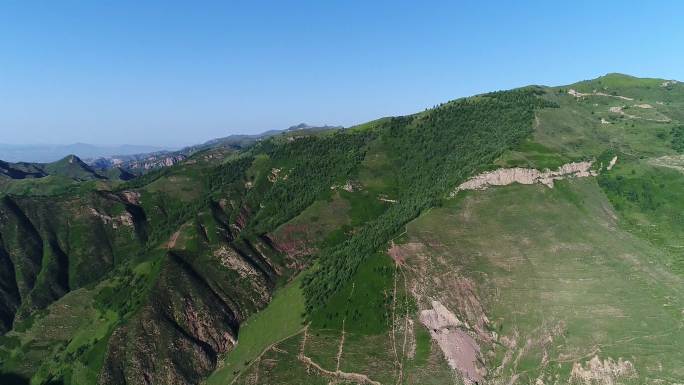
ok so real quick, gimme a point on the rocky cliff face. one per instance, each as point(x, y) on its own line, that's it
point(139, 163)
point(154, 162)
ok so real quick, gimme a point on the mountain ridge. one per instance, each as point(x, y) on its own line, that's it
point(144, 162)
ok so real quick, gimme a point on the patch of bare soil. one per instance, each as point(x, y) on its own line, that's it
point(172, 241)
point(410, 338)
point(399, 253)
point(439, 317)
point(384, 198)
point(125, 219)
point(436, 277)
point(452, 311)
point(348, 186)
point(459, 348)
point(507, 176)
point(294, 240)
point(602, 372)
point(644, 106)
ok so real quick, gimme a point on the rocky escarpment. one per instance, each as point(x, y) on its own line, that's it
point(178, 334)
point(506, 176)
point(154, 162)
point(194, 310)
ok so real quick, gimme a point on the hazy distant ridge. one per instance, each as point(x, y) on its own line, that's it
point(50, 153)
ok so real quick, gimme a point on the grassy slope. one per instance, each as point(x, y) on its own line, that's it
point(546, 260)
point(606, 272)
point(365, 305)
point(282, 318)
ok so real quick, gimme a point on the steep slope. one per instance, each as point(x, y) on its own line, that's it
point(558, 287)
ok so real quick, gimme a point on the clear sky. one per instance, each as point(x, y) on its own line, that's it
point(181, 72)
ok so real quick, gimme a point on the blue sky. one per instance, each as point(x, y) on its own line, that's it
point(173, 72)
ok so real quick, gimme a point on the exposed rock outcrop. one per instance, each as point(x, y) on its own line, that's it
point(602, 372)
point(506, 176)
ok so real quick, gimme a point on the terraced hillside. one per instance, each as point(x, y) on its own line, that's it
point(530, 236)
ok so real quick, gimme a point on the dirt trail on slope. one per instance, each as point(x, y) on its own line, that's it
point(620, 110)
point(358, 378)
point(577, 94)
point(353, 377)
point(269, 347)
point(675, 162)
point(340, 349)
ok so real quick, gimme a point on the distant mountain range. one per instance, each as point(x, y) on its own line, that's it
point(73, 168)
point(142, 162)
point(41, 153)
point(135, 156)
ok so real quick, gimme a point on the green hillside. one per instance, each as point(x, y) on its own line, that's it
point(350, 256)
